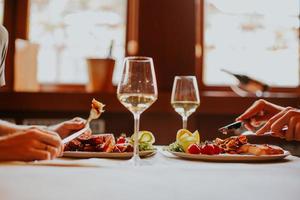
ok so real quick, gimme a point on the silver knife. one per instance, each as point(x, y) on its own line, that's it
point(232, 128)
point(75, 135)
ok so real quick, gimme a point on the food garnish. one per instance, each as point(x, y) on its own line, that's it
point(121, 140)
point(146, 140)
point(185, 138)
point(210, 149)
point(145, 136)
point(175, 147)
point(194, 149)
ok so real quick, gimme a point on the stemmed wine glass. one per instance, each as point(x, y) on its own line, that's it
point(137, 91)
point(185, 97)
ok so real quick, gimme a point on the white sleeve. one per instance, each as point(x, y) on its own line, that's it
point(3, 51)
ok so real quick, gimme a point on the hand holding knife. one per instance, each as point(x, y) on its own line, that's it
point(238, 126)
point(264, 117)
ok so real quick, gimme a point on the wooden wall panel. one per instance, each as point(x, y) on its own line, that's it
point(167, 33)
point(15, 21)
point(9, 19)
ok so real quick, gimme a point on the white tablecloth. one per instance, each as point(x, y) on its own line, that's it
point(160, 178)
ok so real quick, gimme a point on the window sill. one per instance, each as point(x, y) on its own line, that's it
point(214, 103)
point(62, 88)
point(268, 95)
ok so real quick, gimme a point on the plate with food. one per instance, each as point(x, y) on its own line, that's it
point(106, 146)
point(232, 149)
point(83, 144)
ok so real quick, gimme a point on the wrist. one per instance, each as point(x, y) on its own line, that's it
point(26, 127)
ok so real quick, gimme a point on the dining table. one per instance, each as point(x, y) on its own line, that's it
point(161, 176)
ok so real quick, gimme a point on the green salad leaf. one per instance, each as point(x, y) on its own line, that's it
point(145, 146)
point(176, 147)
point(146, 140)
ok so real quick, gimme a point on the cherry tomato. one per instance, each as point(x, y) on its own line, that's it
point(121, 140)
point(193, 149)
point(207, 149)
point(217, 149)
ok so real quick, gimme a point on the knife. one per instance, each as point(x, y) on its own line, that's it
point(75, 135)
point(232, 128)
point(236, 128)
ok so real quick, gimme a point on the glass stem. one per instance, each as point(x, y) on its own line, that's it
point(184, 122)
point(136, 135)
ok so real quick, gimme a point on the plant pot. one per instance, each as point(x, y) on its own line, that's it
point(100, 72)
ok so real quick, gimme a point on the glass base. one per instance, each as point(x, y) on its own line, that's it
point(136, 161)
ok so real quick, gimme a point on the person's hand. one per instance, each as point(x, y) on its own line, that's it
point(67, 127)
point(31, 144)
point(261, 111)
point(285, 124)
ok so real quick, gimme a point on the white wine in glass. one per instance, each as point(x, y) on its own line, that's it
point(185, 97)
point(137, 103)
point(137, 91)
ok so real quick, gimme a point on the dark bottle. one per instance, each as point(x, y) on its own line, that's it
point(248, 84)
point(111, 46)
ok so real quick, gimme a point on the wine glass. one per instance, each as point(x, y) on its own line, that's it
point(185, 97)
point(137, 91)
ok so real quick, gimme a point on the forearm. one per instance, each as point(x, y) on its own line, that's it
point(7, 128)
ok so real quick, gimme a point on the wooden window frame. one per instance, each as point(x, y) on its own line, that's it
point(13, 12)
point(199, 55)
point(16, 20)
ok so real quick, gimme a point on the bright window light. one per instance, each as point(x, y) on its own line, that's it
point(69, 31)
point(259, 38)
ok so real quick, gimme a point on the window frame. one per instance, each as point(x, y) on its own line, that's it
point(199, 55)
point(16, 20)
point(13, 12)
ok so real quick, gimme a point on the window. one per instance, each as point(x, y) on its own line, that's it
point(69, 31)
point(1, 11)
point(259, 38)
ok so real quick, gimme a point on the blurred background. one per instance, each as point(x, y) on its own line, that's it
point(50, 77)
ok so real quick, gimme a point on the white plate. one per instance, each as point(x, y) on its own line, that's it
point(230, 157)
point(85, 154)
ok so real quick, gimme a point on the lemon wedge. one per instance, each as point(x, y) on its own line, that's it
point(196, 135)
point(185, 138)
point(145, 136)
point(182, 133)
